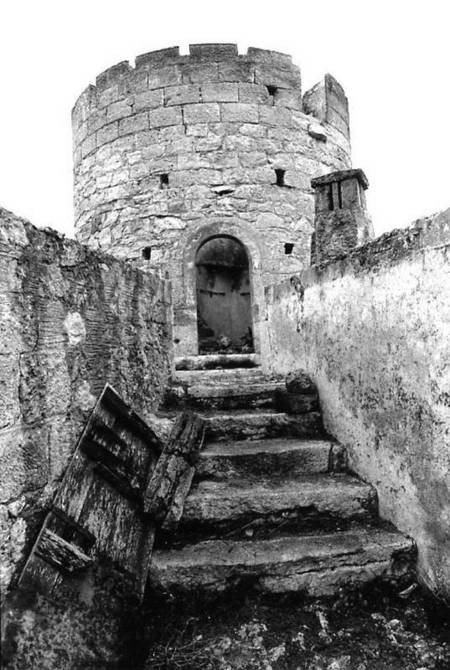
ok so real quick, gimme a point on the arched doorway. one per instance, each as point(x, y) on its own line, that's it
point(224, 300)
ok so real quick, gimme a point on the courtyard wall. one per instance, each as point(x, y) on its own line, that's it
point(373, 330)
point(71, 320)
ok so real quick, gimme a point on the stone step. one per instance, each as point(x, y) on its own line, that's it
point(209, 361)
point(213, 377)
point(242, 394)
point(246, 505)
point(272, 457)
point(242, 425)
point(318, 565)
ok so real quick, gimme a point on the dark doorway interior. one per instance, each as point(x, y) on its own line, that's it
point(223, 297)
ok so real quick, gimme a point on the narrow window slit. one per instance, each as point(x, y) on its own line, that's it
point(223, 191)
point(340, 194)
point(288, 248)
point(271, 90)
point(146, 253)
point(163, 181)
point(280, 176)
point(330, 198)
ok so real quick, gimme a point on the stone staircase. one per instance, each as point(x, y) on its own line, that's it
point(272, 504)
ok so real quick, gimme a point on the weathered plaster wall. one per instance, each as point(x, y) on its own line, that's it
point(179, 143)
point(71, 320)
point(373, 330)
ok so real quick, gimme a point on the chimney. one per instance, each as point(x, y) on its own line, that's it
point(341, 219)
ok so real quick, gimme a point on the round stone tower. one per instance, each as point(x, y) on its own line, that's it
point(200, 166)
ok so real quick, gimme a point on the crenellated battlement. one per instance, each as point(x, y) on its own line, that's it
point(205, 62)
point(211, 74)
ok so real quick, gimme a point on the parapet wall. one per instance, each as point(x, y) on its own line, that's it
point(372, 330)
point(71, 320)
point(214, 139)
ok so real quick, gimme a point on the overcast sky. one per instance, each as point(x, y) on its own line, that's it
point(393, 59)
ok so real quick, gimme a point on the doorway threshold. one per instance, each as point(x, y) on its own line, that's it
point(217, 361)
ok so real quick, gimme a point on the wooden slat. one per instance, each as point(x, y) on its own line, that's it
point(171, 479)
point(40, 576)
point(61, 554)
point(70, 530)
point(125, 485)
point(133, 421)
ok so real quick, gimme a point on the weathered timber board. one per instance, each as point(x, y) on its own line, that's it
point(171, 479)
point(62, 554)
point(98, 510)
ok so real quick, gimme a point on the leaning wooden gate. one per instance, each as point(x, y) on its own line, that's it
point(99, 508)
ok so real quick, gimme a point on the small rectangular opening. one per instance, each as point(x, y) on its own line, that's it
point(223, 190)
point(271, 90)
point(163, 180)
point(146, 253)
point(330, 197)
point(280, 176)
point(288, 248)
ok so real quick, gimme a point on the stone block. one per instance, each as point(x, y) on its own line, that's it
point(276, 116)
point(148, 99)
point(335, 119)
point(213, 51)
point(113, 75)
point(166, 134)
point(239, 112)
point(336, 97)
point(24, 460)
point(80, 133)
point(208, 143)
point(88, 145)
point(298, 382)
point(201, 176)
point(118, 109)
point(157, 57)
point(166, 116)
point(198, 130)
point(269, 56)
point(236, 71)
point(163, 75)
point(133, 124)
point(273, 75)
point(295, 403)
point(253, 93)
point(192, 161)
point(108, 133)
point(290, 98)
point(252, 159)
point(137, 81)
point(97, 120)
point(182, 94)
point(220, 92)
point(9, 391)
point(253, 130)
point(108, 96)
point(198, 73)
point(314, 101)
point(317, 131)
point(202, 113)
point(240, 143)
point(297, 179)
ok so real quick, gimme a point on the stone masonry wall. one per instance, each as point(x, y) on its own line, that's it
point(181, 148)
point(71, 320)
point(373, 331)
